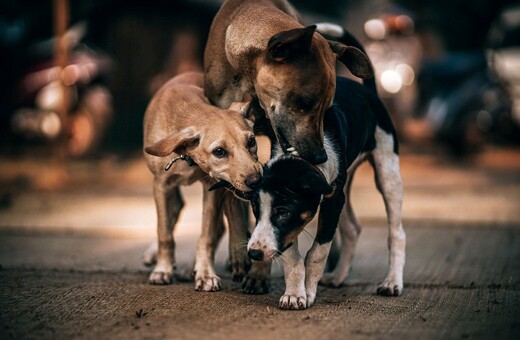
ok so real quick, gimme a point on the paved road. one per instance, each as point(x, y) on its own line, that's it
point(71, 263)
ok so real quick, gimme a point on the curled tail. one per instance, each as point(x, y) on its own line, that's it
point(337, 33)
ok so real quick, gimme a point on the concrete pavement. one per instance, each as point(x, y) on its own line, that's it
point(71, 260)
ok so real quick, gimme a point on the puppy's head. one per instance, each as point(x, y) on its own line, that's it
point(284, 203)
point(222, 144)
point(295, 82)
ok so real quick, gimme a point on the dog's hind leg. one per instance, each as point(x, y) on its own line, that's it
point(206, 278)
point(169, 204)
point(237, 214)
point(388, 180)
point(349, 230)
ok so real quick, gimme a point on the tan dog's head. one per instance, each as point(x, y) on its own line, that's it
point(222, 144)
point(295, 82)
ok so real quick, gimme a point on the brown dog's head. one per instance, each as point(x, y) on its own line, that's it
point(222, 144)
point(295, 82)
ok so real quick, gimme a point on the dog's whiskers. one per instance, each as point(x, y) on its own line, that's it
point(308, 234)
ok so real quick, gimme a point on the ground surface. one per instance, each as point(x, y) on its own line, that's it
point(71, 260)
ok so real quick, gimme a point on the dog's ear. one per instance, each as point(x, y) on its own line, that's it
point(287, 44)
point(304, 176)
point(315, 182)
point(178, 142)
point(245, 110)
point(354, 59)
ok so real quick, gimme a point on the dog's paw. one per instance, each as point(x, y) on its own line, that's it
point(293, 302)
point(239, 265)
point(207, 283)
point(161, 277)
point(390, 288)
point(185, 274)
point(256, 285)
point(330, 280)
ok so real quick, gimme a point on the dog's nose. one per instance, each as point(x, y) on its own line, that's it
point(255, 254)
point(252, 181)
point(319, 158)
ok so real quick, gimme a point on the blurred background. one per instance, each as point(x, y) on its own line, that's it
point(72, 108)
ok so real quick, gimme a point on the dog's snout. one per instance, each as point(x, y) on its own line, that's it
point(252, 181)
point(319, 158)
point(256, 254)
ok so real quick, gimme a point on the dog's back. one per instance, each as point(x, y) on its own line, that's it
point(353, 118)
point(257, 18)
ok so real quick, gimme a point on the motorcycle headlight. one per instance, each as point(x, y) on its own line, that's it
point(51, 97)
point(391, 81)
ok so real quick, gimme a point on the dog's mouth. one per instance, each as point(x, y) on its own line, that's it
point(287, 148)
point(222, 184)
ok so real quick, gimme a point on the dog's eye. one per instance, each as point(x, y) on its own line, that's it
point(219, 152)
point(251, 142)
point(304, 105)
point(282, 213)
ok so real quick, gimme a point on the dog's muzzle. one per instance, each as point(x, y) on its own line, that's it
point(287, 148)
point(246, 196)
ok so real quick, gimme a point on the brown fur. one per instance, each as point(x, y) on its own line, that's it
point(180, 121)
point(245, 56)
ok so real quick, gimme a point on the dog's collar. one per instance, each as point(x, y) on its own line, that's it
point(186, 158)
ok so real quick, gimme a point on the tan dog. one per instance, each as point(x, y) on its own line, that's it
point(259, 48)
point(180, 120)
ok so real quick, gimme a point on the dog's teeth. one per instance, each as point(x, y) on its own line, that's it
point(291, 149)
point(295, 153)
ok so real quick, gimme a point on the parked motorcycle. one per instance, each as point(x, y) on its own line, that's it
point(395, 52)
point(43, 89)
point(472, 98)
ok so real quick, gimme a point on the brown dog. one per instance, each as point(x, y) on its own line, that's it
point(259, 48)
point(180, 121)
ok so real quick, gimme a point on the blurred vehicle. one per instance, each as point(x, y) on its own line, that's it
point(503, 54)
point(42, 89)
point(395, 52)
point(469, 98)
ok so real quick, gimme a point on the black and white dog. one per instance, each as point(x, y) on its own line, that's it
point(356, 128)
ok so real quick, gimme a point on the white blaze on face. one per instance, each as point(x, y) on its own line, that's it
point(263, 237)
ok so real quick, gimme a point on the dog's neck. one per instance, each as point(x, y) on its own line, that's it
point(330, 168)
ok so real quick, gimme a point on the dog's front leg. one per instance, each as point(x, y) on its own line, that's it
point(295, 296)
point(258, 279)
point(316, 259)
point(237, 214)
point(206, 278)
point(315, 262)
point(349, 228)
point(168, 204)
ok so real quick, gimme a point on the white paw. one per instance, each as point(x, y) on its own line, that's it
point(159, 276)
point(390, 288)
point(209, 283)
point(293, 302)
point(330, 280)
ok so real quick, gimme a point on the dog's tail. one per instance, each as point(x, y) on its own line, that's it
point(337, 33)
